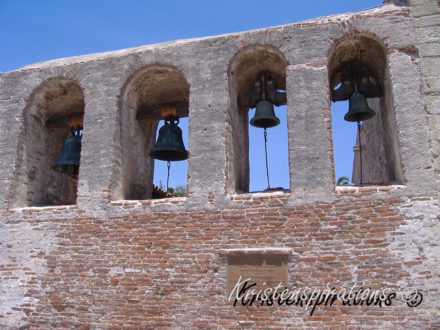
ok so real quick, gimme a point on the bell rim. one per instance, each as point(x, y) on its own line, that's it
point(273, 120)
point(351, 117)
point(276, 121)
point(181, 155)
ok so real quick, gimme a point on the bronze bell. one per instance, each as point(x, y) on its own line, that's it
point(264, 115)
point(69, 161)
point(169, 145)
point(358, 109)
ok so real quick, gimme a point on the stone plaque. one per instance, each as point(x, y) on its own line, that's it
point(265, 270)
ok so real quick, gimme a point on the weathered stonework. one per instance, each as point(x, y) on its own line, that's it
point(108, 260)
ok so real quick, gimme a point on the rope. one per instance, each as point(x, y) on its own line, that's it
point(265, 151)
point(168, 176)
point(360, 150)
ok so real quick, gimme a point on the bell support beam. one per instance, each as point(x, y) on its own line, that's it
point(153, 113)
point(62, 121)
point(250, 100)
point(310, 147)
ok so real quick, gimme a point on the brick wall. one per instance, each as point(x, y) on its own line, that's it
point(166, 269)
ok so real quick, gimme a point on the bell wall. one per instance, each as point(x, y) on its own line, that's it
point(107, 262)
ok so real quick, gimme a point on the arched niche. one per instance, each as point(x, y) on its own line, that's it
point(146, 92)
point(360, 61)
point(45, 128)
point(244, 72)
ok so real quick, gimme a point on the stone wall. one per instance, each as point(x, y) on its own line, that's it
point(426, 16)
point(111, 261)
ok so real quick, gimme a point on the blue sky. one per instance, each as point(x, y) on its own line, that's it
point(33, 31)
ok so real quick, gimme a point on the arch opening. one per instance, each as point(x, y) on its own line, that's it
point(147, 93)
point(359, 89)
point(47, 123)
point(257, 73)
